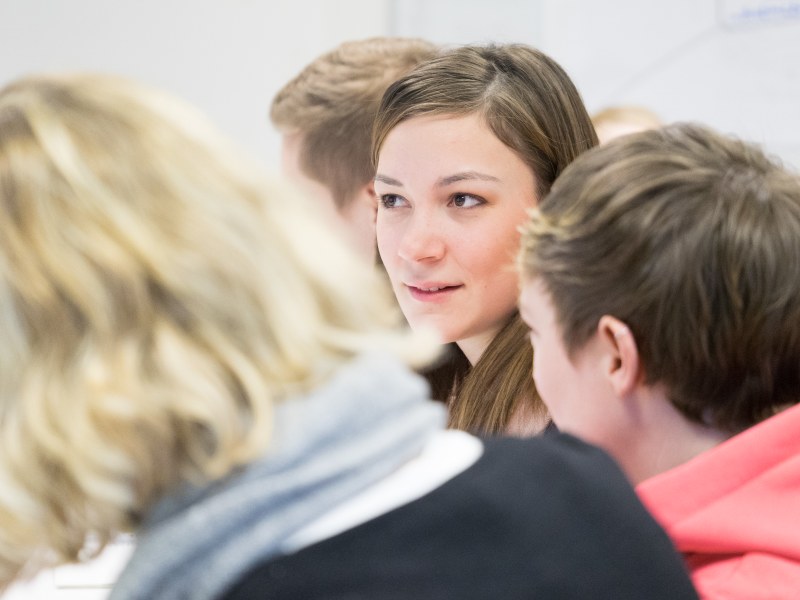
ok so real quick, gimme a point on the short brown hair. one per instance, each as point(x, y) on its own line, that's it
point(532, 106)
point(692, 239)
point(332, 104)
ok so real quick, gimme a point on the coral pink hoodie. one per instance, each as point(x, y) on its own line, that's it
point(734, 512)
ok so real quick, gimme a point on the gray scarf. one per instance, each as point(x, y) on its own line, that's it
point(369, 419)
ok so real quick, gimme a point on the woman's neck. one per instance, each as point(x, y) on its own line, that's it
point(474, 347)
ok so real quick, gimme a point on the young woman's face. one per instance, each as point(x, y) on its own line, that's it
point(450, 198)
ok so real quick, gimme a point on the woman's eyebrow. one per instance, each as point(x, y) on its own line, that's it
point(443, 181)
point(387, 180)
point(465, 176)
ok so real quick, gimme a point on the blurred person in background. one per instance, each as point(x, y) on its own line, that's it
point(614, 121)
point(325, 115)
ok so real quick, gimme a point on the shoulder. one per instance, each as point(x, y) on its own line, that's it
point(555, 483)
point(549, 517)
point(544, 454)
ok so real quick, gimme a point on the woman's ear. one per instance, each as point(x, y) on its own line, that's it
point(623, 368)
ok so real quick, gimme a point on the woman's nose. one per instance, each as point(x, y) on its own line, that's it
point(423, 239)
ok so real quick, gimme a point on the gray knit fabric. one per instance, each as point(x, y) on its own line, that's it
point(372, 417)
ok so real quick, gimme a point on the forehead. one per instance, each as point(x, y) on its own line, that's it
point(443, 130)
point(439, 145)
point(453, 137)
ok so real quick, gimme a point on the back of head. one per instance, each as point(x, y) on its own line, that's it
point(157, 296)
point(526, 98)
point(690, 238)
point(614, 121)
point(332, 104)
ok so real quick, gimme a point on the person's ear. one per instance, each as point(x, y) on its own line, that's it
point(368, 194)
point(623, 367)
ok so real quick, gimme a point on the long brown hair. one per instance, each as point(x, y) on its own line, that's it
point(532, 106)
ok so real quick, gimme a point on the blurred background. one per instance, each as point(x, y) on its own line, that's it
point(732, 64)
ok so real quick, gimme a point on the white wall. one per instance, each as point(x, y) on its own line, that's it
point(700, 60)
point(732, 64)
point(468, 21)
point(227, 57)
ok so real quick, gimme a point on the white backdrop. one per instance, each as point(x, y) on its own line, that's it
point(228, 57)
point(732, 64)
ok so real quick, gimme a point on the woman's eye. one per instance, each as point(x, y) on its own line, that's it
point(392, 201)
point(467, 200)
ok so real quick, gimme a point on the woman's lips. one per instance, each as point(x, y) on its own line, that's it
point(432, 293)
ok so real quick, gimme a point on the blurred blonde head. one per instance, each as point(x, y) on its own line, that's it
point(616, 121)
point(157, 296)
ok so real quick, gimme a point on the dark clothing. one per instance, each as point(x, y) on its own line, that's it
point(547, 517)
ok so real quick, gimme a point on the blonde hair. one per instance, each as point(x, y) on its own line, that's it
point(532, 106)
point(332, 103)
point(157, 297)
point(614, 121)
point(690, 238)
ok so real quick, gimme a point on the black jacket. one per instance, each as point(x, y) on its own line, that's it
point(548, 517)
